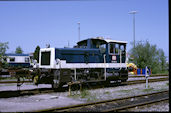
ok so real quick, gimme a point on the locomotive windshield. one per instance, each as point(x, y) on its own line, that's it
point(99, 44)
point(83, 44)
point(94, 44)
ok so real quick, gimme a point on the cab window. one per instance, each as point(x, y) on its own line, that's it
point(12, 59)
point(114, 48)
point(83, 44)
point(27, 60)
point(111, 48)
point(122, 47)
point(102, 48)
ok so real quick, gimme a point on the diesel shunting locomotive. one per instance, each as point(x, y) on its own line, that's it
point(91, 60)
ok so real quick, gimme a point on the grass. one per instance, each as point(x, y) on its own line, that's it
point(84, 94)
point(129, 91)
point(87, 95)
point(92, 98)
point(167, 84)
point(164, 72)
point(125, 91)
point(148, 89)
point(106, 92)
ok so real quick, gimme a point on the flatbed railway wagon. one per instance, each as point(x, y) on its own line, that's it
point(91, 60)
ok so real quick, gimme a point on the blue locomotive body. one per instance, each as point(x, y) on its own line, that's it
point(91, 60)
point(78, 55)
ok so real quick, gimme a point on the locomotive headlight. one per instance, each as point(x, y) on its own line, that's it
point(57, 61)
point(113, 57)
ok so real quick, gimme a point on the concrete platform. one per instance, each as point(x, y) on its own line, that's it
point(35, 102)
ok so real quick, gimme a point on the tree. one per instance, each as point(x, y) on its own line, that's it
point(145, 54)
point(162, 60)
point(36, 53)
point(18, 50)
point(3, 48)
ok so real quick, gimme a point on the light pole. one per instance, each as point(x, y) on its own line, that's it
point(133, 12)
point(78, 31)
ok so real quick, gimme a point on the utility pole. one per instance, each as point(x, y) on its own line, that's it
point(68, 44)
point(78, 31)
point(133, 12)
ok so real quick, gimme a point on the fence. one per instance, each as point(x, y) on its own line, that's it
point(142, 71)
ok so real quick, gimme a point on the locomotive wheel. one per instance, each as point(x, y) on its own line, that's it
point(57, 80)
point(123, 80)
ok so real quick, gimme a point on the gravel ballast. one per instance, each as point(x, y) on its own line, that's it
point(61, 99)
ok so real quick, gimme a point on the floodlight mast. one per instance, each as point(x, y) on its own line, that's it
point(78, 31)
point(133, 12)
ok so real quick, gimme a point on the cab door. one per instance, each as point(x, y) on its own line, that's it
point(123, 52)
point(114, 53)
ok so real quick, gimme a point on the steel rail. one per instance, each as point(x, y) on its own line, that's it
point(87, 106)
point(143, 81)
point(29, 81)
point(124, 108)
point(6, 82)
point(153, 75)
point(17, 93)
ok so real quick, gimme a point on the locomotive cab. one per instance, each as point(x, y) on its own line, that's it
point(115, 51)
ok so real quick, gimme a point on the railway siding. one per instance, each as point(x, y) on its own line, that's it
point(11, 90)
point(119, 91)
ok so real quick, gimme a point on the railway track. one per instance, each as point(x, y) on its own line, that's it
point(153, 75)
point(143, 81)
point(16, 93)
point(133, 106)
point(8, 82)
point(115, 104)
point(134, 76)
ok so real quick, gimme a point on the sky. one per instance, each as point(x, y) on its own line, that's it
point(31, 23)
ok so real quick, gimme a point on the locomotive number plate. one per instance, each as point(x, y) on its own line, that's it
point(113, 57)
